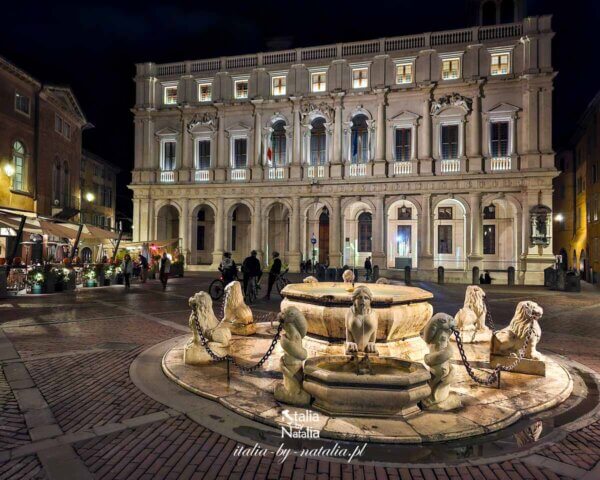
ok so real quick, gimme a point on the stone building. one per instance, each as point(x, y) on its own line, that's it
point(577, 197)
point(98, 187)
point(425, 150)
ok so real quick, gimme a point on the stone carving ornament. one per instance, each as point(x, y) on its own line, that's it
point(206, 119)
point(451, 100)
point(292, 361)
point(238, 315)
point(525, 324)
point(213, 330)
point(470, 320)
point(361, 323)
point(437, 334)
point(309, 107)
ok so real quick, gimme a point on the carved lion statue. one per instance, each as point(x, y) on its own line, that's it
point(213, 330)
point(510, 340)
point(382, 281)
point(348, 276)
point(310, 279)
point(361, 323)
point(471, 318)
point(238, 315)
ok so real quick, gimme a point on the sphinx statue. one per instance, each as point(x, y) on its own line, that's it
point(238, 315)
point(437, 334)
point(361, 323)
point(470, 320)
point(290, 391)
point(348, 276)
point(382, 281)
point(310, 279)
point(213, 330)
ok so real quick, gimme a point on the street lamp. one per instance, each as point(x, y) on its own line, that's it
point(559, 217)
point(9, 169)
point(89, 196)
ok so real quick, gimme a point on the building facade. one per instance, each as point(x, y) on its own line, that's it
point(98, 188)
point(577, 198)
point(425, 150)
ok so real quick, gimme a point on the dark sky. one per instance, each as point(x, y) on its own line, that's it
point(93, 46)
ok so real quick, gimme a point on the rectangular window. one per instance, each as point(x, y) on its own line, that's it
point(403, 147)
point(22, 104)
point(169, 151)
point(203, 162)
point(500, 63)
point(205, 92)
point(499, 139)
point(240, 153)
point(18, 178)
point(449, 141)
point(405, 213)
point(170, 97)
point(360, 77)
point(403, 240)
point(66, 129)
point(108, 197)
point(241, 89)
point(278, 84)
point(489, 239)
point(200, 237)
point(318, 81)
point(58, 123)
point(404, 73)
point(450, 68)
point(444, 213)
point(445, 239)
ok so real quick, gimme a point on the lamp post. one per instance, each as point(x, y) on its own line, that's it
point(313, 241)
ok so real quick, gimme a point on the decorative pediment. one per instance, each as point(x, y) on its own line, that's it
point(203, 122)
point(312, 110)
point(360, 110)
point(63, 98)
point(405, 117)
point(503, 109)
point(450, 101)
point(166, 132)
point(238, 127)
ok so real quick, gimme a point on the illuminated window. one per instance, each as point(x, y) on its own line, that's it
point(451, 68)
point(318, 81)
point(205, 92)
point(241, 89)
point(445, 239)
point(365, 232)
point(278, 85)
point(170, 97)
point(360, 77)
point(318, 142)
point(489, 239)
point(404, 73)
point(168, 152)
point(22, 103)
point(18, 180)
point(500, 63)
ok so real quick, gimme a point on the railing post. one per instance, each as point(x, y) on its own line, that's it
point(407, 279)
point(475, 277)
point(511, 276)
point(440, 271)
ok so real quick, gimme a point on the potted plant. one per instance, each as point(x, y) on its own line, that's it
point(89, 276)
point(35, 280)
point(155, 266)
point(177, 266)
point(61, 275)
point(109, 274)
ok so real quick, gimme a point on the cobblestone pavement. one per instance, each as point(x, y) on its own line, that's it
point(69, 408)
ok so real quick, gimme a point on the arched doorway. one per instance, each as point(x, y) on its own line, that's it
point(203, 235)
point(167, 223)
point(240, 221)
point(86, 255)
point(402, 235)
point(450, 235)
point(357, 233)
point(324, 237)
point(277, 230)
point(499, 235)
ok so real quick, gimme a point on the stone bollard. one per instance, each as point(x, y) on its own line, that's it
point(3, 281)
point(375, 273)
point(511, 276)
point(440, 271)
point(407, 270)
point(475, 277)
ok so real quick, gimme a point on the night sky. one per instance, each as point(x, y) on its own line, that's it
point(93, 46)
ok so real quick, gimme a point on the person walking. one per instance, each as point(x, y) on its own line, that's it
point(251, 268)
point(127, 268)
point(165, 268)
point(369, 269)
point(228, 268)
point(274, 271)
point(143, 268)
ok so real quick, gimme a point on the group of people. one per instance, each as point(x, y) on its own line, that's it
point(485, 279)
point(251, 270)
point(164, 269)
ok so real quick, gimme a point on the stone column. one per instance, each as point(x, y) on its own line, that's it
point(136, 220)
point(335, 232)
point(426, 223)
point(425, 139)
point(379, 229)
point(294, 252)
point(184, 228)
point(379, 168)
point(296, 166)
point(257, 163)
point(219, 232)
point(221, 167)
point(336, 161)
point(476, 255)
point(474, 150)
point(257, 228)
point(187, 152)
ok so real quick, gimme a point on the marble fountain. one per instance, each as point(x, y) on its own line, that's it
point(369, 361)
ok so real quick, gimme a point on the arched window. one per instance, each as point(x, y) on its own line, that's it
point(365, 232)
point(56, 183)
point(86, 255)
point(278, 142)
point(507, 11)
point(360, 139)
point(318, 136)
point(19, 181)
point(488, 13)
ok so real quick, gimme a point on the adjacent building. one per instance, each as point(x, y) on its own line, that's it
point(425, 150)
point(577, 198)
point(98, 189)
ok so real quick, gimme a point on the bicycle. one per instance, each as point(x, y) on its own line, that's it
point(281, 281)
point(216, 290)
point(251, 293)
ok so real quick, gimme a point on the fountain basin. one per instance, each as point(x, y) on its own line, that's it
point(393, 389)
point(402, 311)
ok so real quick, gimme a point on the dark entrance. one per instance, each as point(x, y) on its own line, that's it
point(324, 237)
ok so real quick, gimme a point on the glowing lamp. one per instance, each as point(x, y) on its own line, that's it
point(559, 217)
point(89, 196)
point(9, 169)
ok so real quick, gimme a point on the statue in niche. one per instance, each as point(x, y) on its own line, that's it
point(361, 323)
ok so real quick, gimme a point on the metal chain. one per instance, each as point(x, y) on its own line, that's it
point(488, 315)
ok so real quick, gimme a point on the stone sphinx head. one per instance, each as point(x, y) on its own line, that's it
point(361, 300)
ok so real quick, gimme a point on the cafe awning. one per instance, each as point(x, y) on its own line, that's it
point(150, 243)
point(13, 221)
point(58, 229)
point(90, 231)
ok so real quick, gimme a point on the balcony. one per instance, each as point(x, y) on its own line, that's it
point(239, 174)
point(402, 168)
point(202, 175)
point(315, 171)
point(450, 166)
point(276, 173)
point(358, 170)
point(500, 164)
point(167, 176)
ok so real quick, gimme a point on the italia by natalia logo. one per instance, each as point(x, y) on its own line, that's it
point(296, 424)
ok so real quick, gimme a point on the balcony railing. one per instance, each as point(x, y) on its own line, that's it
point(500, 164)
point(276, 173)
point(402, 168)
point(238, 174)
point(202, 175)
point(316, 171)
point(167, 176)
point(450, 166)
point(358, 169)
